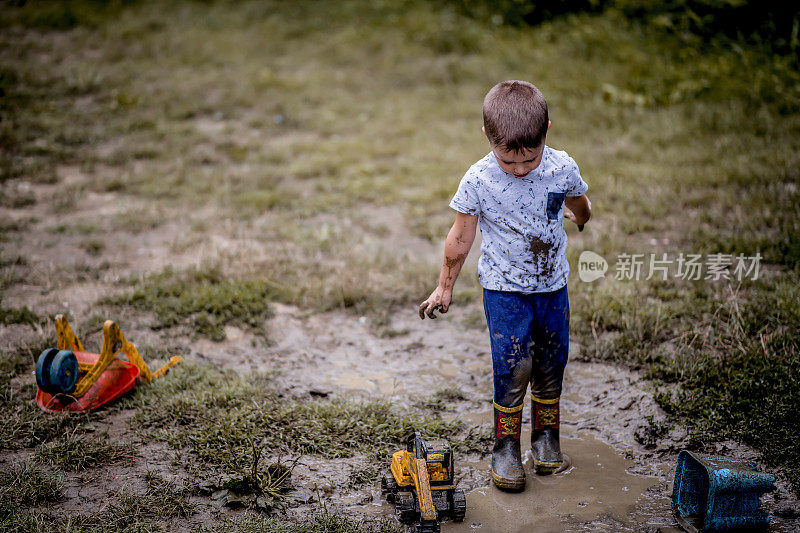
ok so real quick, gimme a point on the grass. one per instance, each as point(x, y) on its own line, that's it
point(204, 300)
point(324, 165)
point(76, 453)
point(27, 485)
point(323, 521)
point(723, 364)
point(161, 502)
point(18, 316)
point(221, 417)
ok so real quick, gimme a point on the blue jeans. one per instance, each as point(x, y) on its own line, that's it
point(529, 334)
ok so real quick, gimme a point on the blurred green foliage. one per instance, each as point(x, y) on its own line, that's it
point(60, 14)
point(772, 23)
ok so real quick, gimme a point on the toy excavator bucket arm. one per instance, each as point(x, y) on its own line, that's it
point(418, 467)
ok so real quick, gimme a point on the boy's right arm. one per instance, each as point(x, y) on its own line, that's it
point(456, 248)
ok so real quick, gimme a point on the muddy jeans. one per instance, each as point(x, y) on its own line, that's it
point(529, 334)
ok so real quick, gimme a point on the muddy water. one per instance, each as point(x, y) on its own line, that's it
point(596, 488)
point(598, 491)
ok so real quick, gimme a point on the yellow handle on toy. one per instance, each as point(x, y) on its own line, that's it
point(113, 343)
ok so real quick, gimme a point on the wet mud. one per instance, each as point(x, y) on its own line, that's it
point(613, 483)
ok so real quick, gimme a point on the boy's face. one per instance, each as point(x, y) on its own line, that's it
point(520, 164)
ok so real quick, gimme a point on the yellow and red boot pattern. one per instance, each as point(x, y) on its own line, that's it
point(507, 470)
point(545, 444)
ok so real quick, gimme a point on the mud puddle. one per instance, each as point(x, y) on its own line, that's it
point(597, 489)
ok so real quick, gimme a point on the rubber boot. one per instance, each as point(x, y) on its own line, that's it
point(545, 445)
point(507, 470)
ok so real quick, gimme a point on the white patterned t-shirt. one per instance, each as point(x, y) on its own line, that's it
point(521, 221)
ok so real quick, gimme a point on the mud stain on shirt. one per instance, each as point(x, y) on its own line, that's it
point(543, 255)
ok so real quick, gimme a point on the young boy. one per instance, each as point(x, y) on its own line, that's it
point(517, 193)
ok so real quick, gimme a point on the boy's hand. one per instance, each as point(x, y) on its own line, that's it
point(439, 299)
point(568, 215)
point(580, 210)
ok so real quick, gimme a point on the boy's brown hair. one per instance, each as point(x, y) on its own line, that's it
point(515, 116)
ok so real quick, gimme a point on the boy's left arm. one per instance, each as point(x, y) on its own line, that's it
point(581, 209)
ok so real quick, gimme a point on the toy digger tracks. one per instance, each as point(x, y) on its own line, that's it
point(421, 485)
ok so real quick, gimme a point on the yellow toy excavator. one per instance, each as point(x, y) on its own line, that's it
point(71, 379)
point(421, 485)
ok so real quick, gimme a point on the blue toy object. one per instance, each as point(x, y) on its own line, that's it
point(57, 371)
point(713, 493)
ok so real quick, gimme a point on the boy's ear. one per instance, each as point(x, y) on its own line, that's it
point(483, 129)
point(548, 125)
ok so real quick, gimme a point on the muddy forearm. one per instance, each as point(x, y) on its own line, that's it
point(456, 249)
point(451, 267)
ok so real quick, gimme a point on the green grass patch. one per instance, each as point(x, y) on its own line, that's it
point(142, 520)
point(78, 452)
point(162, 500)
point(28, 484)
point(222, 417)
point(26, 425)
point(152, 510)
point(18, 316)
point(203, 300)
point(319, 521)
point(724, 358)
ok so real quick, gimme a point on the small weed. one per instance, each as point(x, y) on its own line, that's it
point(652, 433)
